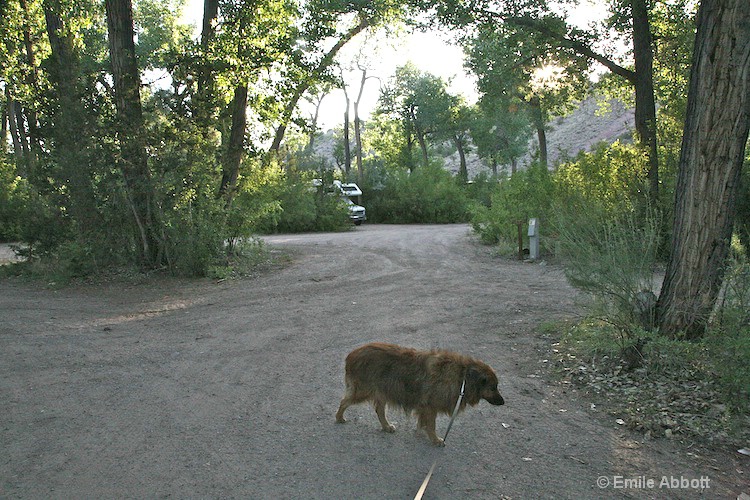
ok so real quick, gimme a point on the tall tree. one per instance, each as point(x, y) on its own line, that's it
point(314, 75)
point(513, 64)
point(713, 150)
point(500, 130)
point(420, 101)
point(259, 35)
point(205, 94)
point(69, 148)
point(358, 123)
point(346, 140)
point(133, 159)
point(549, 34)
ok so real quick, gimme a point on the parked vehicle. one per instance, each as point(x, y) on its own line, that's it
point(357, 213)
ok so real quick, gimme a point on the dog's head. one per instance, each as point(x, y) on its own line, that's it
point(481, 383)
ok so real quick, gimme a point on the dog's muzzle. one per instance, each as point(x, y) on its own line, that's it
point(496, 400)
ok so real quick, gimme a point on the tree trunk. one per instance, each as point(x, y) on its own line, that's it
point(541, 132)
point(4, 127)
point(423, 147)
point(133, 160)
point(15, 135)
point(32, 80)
point(713, 149)
point(236, 148)
point(358, 126)
point(70, 140)
point(463, 171)
point(204, 107)
point(347, 144)
point(645, 106)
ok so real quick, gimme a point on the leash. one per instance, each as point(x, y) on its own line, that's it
point(426, 481)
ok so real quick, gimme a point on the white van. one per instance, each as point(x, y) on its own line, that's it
point(357, 213)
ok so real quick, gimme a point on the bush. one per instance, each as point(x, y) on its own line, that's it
point(13, 201)
point(290, 203)
point(526, 194)
point(613, 258)
point(611, 177)
point(429, 194)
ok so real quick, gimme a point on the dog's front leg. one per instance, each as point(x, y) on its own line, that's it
point(426, 421)
point(380, 410)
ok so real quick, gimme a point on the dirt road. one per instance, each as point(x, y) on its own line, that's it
point(228, 390)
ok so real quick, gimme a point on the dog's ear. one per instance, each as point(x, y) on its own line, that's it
point(475, 379)
point(475, 376)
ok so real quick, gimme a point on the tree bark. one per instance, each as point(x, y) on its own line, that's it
point(206, 88)
point(15, 135)
point(4, 127)
point(358, 127)
point(133, 160)
point(32, 80)
point(463, 171)
point(713, 149)
point(347, 144)
point(541, 132)
point(645, 105)
point(70, 147)
point(236, 147)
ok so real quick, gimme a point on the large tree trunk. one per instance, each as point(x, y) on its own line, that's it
point(204, 107)
point(69, 122)
point(713, 149)
point(32, 80)
point(645, 106)
point(133, 161)
point(236, 147)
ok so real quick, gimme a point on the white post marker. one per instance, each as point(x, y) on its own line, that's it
point(534, 239)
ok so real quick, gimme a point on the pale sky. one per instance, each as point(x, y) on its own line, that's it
point(430, 52)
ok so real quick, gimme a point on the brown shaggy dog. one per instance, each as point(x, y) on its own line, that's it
point(423, 382)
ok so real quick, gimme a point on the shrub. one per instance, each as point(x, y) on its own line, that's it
point(291, 203)
point(429, 194)
point(13, 201)
point(611, 177)
point(613, 258)
point(526, 194)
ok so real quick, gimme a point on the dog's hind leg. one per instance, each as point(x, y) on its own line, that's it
point(426, 421)
point(351, 397)
point(380, 410)
point(345, 403)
